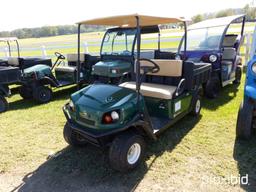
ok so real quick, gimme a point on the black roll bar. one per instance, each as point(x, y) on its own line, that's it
point(78, 56)
point(138, 57)
point(185, 40)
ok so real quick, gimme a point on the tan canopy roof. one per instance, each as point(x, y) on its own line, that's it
point(130, 20)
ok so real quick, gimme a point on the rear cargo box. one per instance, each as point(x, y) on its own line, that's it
point(9, 75)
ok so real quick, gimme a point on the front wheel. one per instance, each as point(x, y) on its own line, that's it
point(42, 94)
point(244, 120)
point(3, 104)
point(126, 152)
point(72, 138)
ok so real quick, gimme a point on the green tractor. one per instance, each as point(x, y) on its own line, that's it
point(162, 91)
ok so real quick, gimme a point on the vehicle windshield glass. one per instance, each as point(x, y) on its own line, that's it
point(204, 38)
point(119, 42)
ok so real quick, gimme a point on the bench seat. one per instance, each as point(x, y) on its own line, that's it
point(152, 89)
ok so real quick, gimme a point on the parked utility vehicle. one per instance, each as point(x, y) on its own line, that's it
point(8, 75)
point(12, 70)
point(246, 120)
point(217, 41)
point(117, 51)
point(39, 80)
point(162, 91)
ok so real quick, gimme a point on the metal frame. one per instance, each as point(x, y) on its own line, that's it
point(227, 27)
point(138, 36)
point(7, 41)
point(221, 48)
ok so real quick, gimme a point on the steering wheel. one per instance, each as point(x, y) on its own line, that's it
point(149, 69)
point(59, 55)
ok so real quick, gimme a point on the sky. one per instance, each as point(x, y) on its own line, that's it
point(33, 13)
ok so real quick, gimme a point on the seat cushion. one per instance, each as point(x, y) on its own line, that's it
point(65, 69)
point(152, 89)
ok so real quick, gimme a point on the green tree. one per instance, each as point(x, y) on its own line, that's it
point(197, 18)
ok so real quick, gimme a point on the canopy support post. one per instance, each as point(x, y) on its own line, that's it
point(78, 56)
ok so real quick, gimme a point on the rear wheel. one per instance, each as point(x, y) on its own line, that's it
point(3, 104)
point(72, 138)
point(244, 120)
point(212, 88)
point(238, 75)
point(196, 106)
point(126, 152)
point(42, 94)
point(25, 92)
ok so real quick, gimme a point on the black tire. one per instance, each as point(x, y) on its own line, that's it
point(25, 92)
point(237, 81)
point(244, 120)
point(118, 152)
point(73, 138)
point(42, 94)
point(3, 104)
point(196, 106)
point(212, 88)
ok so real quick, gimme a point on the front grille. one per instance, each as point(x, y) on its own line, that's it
point(101, 71)
point(86, 121)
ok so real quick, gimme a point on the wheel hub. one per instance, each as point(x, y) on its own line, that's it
point(198, 106)
point(133, 154)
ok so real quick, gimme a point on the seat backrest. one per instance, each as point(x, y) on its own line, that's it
point(73, 57)
point(146, 54)
point(229, 54)
point(14, 61)
point(168, 68)
point(229, 40)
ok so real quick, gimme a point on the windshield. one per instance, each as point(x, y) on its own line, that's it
point(119, 42)
point(204, 38)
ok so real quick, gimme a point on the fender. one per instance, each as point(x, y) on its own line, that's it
point(250, 92)
point(48, 81)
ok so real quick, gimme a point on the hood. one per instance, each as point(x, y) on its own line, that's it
point(104, 68)
point(40, 70)
point(101, 97)
point(92, 102)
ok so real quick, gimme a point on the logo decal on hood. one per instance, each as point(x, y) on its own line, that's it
point(84, 114)
point(109, 99)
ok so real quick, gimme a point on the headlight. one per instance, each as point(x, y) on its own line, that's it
point(114, 115)
point(114, 71)
point(213, 58)
point(71, 105)
point(254, 68)
point(110, 117)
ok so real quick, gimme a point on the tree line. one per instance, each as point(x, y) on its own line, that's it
point(48, 31)
point(249, 11)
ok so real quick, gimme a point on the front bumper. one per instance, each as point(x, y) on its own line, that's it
point(250, 91)
point(92, 136)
